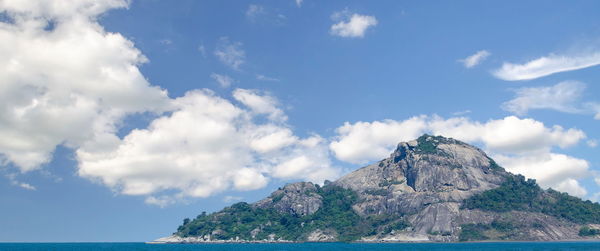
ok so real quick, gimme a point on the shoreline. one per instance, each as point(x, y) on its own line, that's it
point(375, 242)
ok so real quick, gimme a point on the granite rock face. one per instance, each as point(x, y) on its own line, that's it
point(426, 178)
point(298, 199)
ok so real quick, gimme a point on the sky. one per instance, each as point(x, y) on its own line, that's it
point(120, 118)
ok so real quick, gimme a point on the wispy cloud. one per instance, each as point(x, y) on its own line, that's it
point(223, 80)
point(563, 97)
point(475, 59)
point(12, 178)
point(595, 108)
point(299, 3)
point(351, 24)
point(229, 199)
point(254, 11)
point(202, 50)
point(230, 53)
point(460, 113)
point(545, 66)
point(261, 14)
point(560, 97)
point(265, 78)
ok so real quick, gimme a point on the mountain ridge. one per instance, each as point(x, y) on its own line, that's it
point(432, 189)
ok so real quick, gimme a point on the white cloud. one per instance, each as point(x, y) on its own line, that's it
point(594, 107)
point(160, 201)
point(545, 66)
point(223, 80)
point(592, 143)
point(255, 10)
point(230, 53)
point(27, 186)
point(12, 178)
point(299, 3)
point(67, 85)
point(475, 59)
point(561, 97)
point(62, 10)
point(351, 25)
point(571, 187)
point(362, 142)
point(549, 169)
point(205, 146)
point(260, 104)
point(460, 113)
point(73, 84)
point(510, 135)
point(520, 145)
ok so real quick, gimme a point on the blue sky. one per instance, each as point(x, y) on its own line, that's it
point(119, 119)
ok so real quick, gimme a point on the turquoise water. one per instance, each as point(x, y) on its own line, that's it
point(308, 246)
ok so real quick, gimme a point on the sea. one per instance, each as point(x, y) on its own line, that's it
point(308, 246)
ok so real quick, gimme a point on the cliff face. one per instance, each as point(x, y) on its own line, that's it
point(417, 194)
point(422, 173)
point(427, 179)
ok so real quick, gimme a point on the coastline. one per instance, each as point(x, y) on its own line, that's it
point(192, 240)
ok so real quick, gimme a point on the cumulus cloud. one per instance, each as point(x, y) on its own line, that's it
point(475, 59)
point(351, 24)
point(549, 169)
point(64, 79)
point(205, 146)
point(523, 146)
point(592, 143)
point(230, 53)
point(561, 97)
point(362, 142)
point(572, 187)
point(223, 80)
point(547, 65)
point(260, 104)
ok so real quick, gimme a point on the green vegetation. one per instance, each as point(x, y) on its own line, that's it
point(278, 197)
point(494, 165)
point(473, 232)
point(240, 219)
point(587, 231)
point(427, 143)
point(516, 193)
point(498, 230)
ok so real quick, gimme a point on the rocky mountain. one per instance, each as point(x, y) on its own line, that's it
point(429, 189)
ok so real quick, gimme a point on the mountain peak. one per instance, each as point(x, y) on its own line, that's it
point(432, 188)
